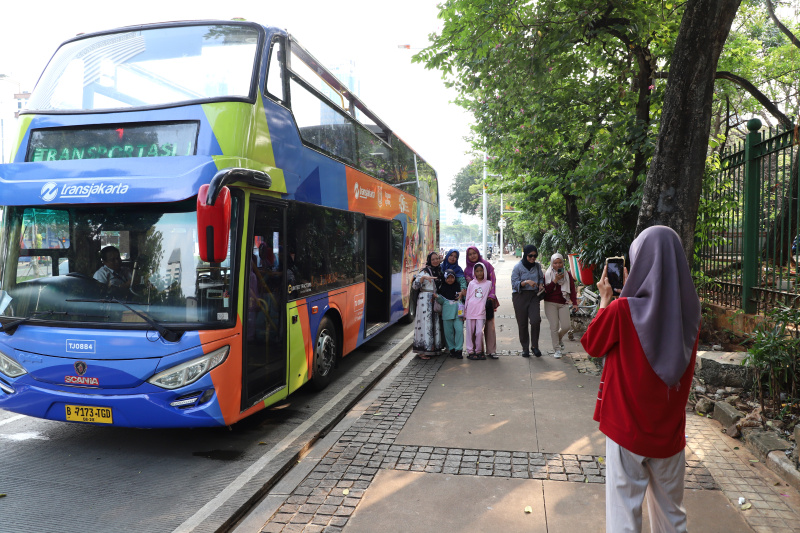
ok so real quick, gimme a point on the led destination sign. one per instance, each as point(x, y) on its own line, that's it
point(164, 139)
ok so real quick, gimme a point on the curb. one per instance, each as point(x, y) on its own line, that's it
point(781, 465)
point(769, 447)
point(239, 514)
point(766, 445)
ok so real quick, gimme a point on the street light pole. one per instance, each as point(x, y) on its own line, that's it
point(502, 225)
point(485, 157)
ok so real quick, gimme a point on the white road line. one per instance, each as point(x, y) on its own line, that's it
point(217, 501)
point(11, 419)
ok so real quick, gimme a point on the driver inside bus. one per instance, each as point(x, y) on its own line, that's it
point(112, 273)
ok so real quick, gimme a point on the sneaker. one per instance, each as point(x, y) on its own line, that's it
point(493, 356)
point(557, 355)
point(526, 354)
point(537, 352)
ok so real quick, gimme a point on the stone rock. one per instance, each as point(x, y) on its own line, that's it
point(733, 431)
point(721, 373)
point(726, 414)
point(732, 399)
point(775, 424)
point(766, 441)
point(704, 405)
point(700, 389)
point(733, 390)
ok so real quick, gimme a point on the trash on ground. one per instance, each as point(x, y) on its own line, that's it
point(528, 509)
point(746, 506)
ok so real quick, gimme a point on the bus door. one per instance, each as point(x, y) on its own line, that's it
point(379, 275)
point(264, 357)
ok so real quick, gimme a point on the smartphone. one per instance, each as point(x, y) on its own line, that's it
point(614, 267)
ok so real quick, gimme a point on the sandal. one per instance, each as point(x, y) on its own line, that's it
point(424, 357)
point(473, 357)
point(481, 356)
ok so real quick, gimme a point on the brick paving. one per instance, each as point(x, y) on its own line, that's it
point(739, 474)
point(329, 495)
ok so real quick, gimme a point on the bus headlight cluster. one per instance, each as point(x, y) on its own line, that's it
point(9, 367)
point(190, 371)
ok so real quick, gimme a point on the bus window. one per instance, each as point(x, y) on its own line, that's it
point(157, 242)
point(322, 125)
point(328, 248)
point(275, 80)
point(374, 156)
point(406, 164)
point(397, 246)
point(149, 67)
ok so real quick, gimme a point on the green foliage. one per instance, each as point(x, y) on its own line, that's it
point(564, 98)
point(774, 355)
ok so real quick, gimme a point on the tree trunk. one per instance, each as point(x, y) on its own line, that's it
point(675, 178)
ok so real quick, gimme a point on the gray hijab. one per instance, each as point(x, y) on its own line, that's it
point(664, 305)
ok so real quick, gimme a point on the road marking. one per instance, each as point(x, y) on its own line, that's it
point(217, 501)
point(12, 419)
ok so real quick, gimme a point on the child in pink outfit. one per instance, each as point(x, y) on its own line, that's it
point(475, 311)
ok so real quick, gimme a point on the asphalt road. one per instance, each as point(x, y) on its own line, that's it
point(76, 477)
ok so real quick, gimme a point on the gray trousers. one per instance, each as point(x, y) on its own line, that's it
point(526, 309)
point(629, 476)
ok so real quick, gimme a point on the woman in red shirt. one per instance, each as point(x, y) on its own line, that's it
point(649, 337)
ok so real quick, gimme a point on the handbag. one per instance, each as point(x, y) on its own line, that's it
point(460, 309)
point(437, 307)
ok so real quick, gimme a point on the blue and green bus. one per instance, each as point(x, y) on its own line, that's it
point(198, 219)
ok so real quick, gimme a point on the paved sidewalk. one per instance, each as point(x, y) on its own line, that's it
point(508, 445)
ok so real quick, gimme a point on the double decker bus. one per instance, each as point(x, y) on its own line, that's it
point(198, 219)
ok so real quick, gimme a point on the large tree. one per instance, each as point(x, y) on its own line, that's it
point(564, 96)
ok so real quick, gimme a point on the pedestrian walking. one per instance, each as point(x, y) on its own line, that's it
point(527, 281)
point(452, 319)
point(649, 336)
point(478, 292)
point(428, 338)
point(559, 291)
point(474, 257)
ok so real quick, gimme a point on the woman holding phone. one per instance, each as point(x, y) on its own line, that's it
point(559, 292)
point(649, 337)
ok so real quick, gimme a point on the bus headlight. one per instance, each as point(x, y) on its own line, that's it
point(190, 371)
point(9, 367)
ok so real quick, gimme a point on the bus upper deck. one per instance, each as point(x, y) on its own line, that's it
point(266, 220)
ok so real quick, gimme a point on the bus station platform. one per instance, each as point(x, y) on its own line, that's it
point(450, 445)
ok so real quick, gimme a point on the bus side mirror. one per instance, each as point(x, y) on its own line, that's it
point(213, 225)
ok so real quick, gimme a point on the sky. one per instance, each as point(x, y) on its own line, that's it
point(413, 101)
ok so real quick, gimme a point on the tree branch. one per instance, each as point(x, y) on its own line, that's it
point(758, 95)
point(786, 31)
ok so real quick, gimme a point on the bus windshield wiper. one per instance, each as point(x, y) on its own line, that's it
point(10, 326)
point(168, 334)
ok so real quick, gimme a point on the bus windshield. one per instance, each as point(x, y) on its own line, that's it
point(75, 264)
point(148, 68)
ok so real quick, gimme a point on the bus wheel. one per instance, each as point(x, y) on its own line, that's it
point(325, 351)
point(412, 309)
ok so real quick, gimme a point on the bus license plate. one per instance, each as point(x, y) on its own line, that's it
point(82, 413)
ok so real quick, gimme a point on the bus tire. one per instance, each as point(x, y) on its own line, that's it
point(326, 349)
point(409, 317)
